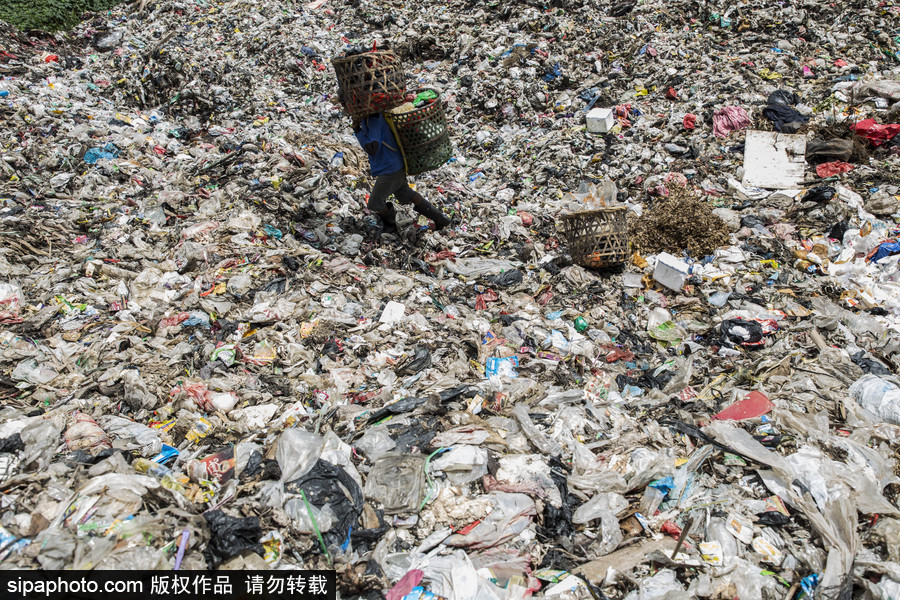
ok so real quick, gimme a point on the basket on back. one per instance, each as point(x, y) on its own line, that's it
point(371, 82)
point(423, 135)
point(597, 238)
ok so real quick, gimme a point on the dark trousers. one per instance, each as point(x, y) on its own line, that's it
point(393, 183)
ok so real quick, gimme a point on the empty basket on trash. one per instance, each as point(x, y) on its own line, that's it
point(370, 82)
point(423, 136)
point(597, 238)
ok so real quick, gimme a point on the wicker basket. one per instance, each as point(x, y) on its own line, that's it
point(423, 136)
point(597, 238)
point(370, 83)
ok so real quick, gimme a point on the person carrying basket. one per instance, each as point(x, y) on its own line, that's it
point(388, 168)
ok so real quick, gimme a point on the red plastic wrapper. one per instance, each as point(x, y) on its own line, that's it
point(174, 320)
point(482, 299)
point(215, 467)
point(615, 354)
point(833, 168)
point(670, 528)
point(875, 133)
point(753, 405)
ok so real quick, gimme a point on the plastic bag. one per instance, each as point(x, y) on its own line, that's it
point(30, 371)
point(130, 435)
point(136, 393)
point(85, 434)
point(596, 507)
point(41, 437)
point(462, 464)
point(10, 301)
point(328, 484)
point(510, 515)
point(297, 452)
point(231, 536)
point(397, 481)
point(718, 532)
point(878, 396)
point(375, 442)
point(544, 444)
point(662, 586)
point(593, 197)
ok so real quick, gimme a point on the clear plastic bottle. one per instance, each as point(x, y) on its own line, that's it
point(716, 531)
point(653, 497)
point(168, 478)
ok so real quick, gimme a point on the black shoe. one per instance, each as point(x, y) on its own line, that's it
point(428, 210)
point(388, 220)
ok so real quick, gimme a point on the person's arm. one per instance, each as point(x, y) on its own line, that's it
point(370, 147)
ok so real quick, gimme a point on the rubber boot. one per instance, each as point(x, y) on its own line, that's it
point(388, 219)
point(427, 209)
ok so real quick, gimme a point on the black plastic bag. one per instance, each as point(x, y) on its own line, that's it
point(751, 221)
point(784, 118)
point(822, 193)
point(231, 536)
point(772, 519)
point(870, 365)
point(260, 468)
point(507, 278)
point(783, 98)
point(557, 522)
point(838, 230)
point(463, 391)
point(332, 348)
point(742, 333)
point(819, 150)
point(421, 360)
point(13, 443)
point(399, 407)
point(329, 484)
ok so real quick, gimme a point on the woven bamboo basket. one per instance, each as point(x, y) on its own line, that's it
point(369, 83)
point(422, 135)
point(597, 238)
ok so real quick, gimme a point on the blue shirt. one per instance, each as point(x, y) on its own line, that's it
point(377, 139)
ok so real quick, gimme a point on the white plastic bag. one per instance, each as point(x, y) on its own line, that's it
point(878, 396)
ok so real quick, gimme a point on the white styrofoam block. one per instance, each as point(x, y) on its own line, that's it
point(774, 161)
point(600, 120)
point(671, 271)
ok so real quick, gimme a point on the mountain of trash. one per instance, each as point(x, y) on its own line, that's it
point(210, 359)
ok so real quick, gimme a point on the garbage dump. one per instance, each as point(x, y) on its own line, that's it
point(652, 354)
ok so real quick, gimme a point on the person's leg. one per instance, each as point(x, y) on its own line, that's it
point(389, 219)
point(385, 185)
point(406, 195)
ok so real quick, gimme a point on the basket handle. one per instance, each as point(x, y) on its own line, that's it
point(390, 121)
